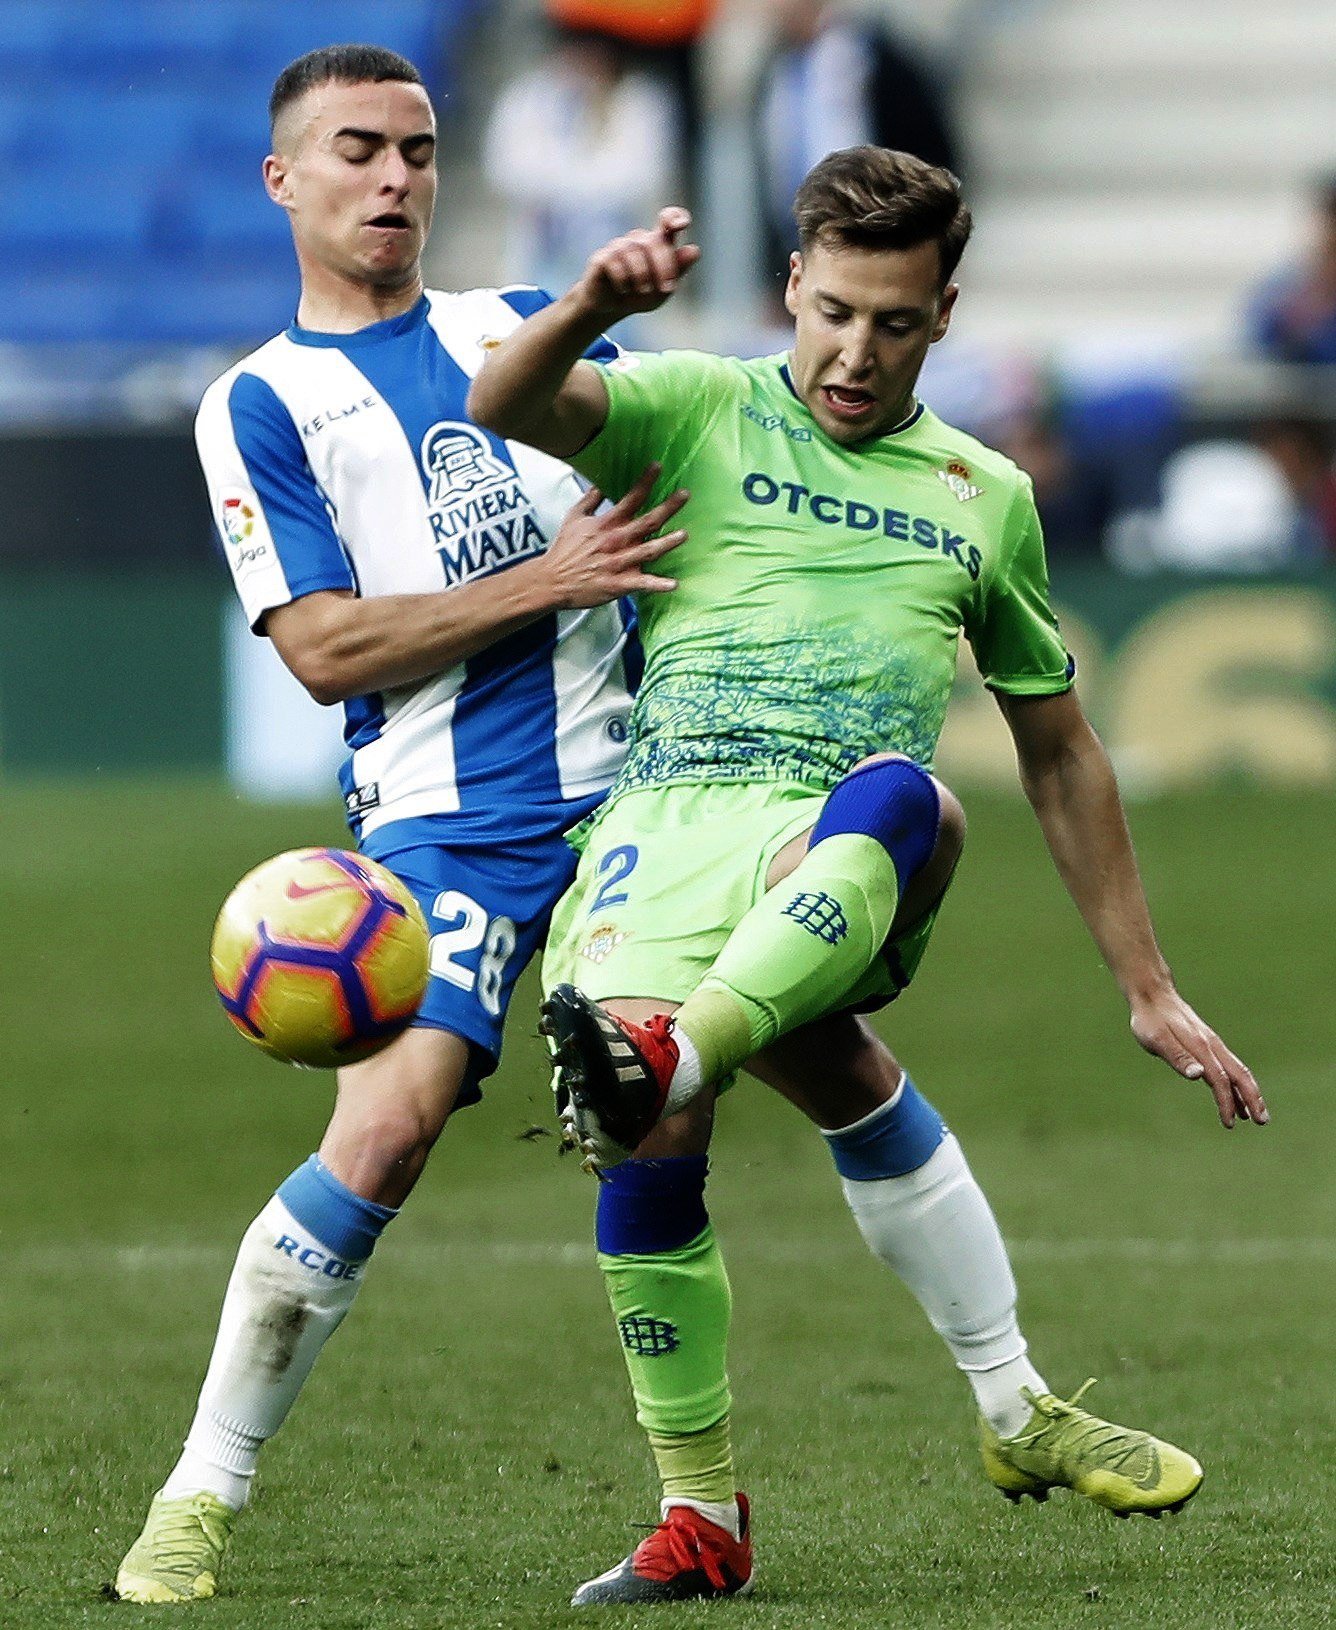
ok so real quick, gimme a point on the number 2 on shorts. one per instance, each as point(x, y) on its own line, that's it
point(471, 928)
point(614, 868)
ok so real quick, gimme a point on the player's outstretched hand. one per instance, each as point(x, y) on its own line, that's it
point(1169, 1028)
point(638, 271)
point(597, 558)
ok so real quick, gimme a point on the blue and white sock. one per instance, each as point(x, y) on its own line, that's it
point(298, 1269)
point(921, 1212)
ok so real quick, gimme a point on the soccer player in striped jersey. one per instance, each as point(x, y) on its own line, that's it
point(841, 540)
point(461, 598)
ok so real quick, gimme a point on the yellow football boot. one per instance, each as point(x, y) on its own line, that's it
point(1065, 1447)
point(177, 1557)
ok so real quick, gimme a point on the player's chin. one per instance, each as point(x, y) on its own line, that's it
point(847, 432)
point(389, 269)
point(392, 252)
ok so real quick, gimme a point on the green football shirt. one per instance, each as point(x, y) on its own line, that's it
point(823, 589)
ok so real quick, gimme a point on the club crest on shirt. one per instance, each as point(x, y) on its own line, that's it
point(458, 460)
point(481, 517)
point(957, 477)
point(603, 942)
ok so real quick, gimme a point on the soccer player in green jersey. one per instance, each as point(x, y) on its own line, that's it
point(840, 540)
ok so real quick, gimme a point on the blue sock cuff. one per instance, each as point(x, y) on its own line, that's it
point(894, 801)
point(342, 1221)
point(649, 1206)
point(891, 1142)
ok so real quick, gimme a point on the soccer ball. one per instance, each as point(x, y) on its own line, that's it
point(320, 956)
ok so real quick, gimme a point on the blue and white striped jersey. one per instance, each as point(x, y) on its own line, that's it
point(346, 461)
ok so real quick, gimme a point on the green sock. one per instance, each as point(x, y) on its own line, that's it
point(696, 1465)
point(795, 955)
point(672, 1312)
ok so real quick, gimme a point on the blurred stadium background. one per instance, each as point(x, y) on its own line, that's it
point(1149, 181)
point(1143, 325)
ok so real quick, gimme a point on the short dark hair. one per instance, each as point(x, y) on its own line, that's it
point(874, 198)
point(339, 65)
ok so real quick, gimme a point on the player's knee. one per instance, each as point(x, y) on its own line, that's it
point(951, 824)
point(894, 801)
point(396, 1138)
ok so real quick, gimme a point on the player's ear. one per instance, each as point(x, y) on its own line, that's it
point(275, 172)
point(791, 288)
point(945, 306)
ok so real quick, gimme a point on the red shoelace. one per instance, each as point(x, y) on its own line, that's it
point(685, 1543)
point(655, 1040)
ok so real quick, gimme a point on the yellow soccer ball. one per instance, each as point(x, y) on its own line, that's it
point(320, 957)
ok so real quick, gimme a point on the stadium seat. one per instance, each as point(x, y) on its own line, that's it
point(15, 119)
point(55, 308)
point(135, 42)
point(140, 129)
point(29, 40)
point(407, 26)
point(128, 130)
point(223, 218)
point(72, 217)
point(236, 309)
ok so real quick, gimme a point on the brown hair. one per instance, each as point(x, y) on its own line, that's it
point(874, 198)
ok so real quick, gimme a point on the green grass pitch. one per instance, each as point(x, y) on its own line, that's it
point(465, 1452)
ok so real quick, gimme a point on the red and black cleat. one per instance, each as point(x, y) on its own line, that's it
point(686, 1558)
point(612, 1076)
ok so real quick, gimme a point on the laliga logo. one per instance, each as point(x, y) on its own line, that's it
point(459, 460)
point(238, 521)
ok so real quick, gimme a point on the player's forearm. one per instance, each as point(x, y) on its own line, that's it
point(526, 390)
point(1075, 797)
point(356, 646)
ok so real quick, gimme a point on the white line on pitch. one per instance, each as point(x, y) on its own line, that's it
point(418, 1256)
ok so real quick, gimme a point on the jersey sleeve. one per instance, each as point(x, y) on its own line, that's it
point(660, 405)
point(524, 299)
point(1015, 636)
point(277, 535)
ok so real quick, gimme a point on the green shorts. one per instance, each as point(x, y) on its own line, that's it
point(666, 874)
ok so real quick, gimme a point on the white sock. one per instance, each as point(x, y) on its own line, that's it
point(686, 1082)
point(998, 1394)
point(934, 1227)
point(724, 1514)
point(286, 1297)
